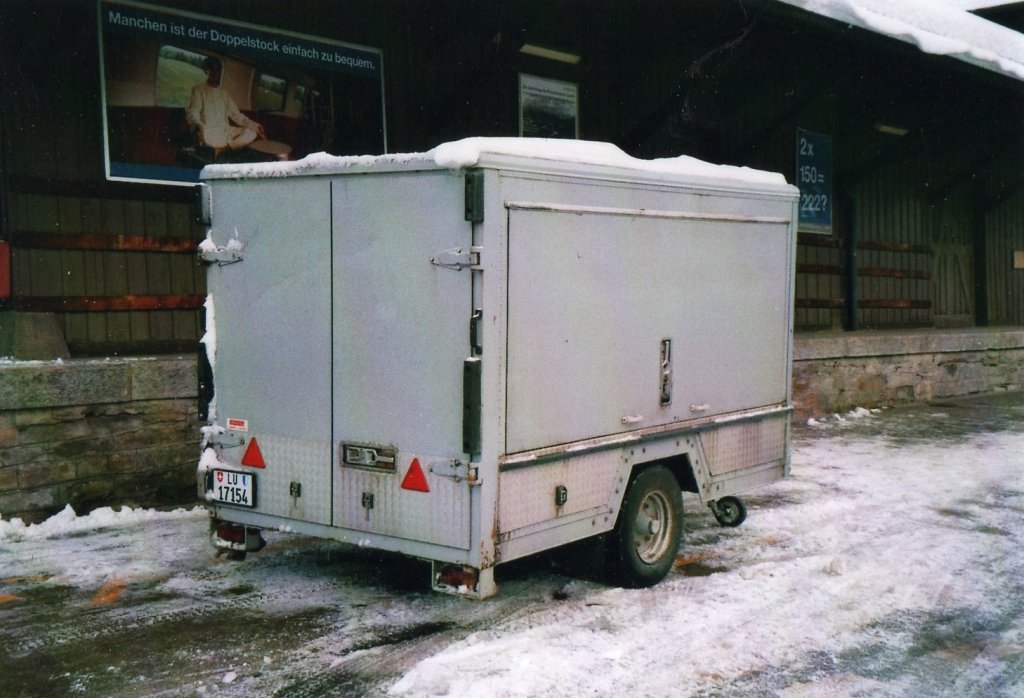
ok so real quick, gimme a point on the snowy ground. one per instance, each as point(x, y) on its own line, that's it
point(889, 564)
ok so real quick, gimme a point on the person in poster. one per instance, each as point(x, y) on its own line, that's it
point(215, 117)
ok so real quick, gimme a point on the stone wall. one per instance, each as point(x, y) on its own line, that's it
point(125, 432)
point(97, 432)
point(836, 372)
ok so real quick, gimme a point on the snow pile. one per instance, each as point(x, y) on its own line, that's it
point(840, 419)
point(472, 152)
point(934, 27)
point(867, 536)
point(67, 522)
point(315, 163)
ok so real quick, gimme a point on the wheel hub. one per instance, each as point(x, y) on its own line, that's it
point(652, 537)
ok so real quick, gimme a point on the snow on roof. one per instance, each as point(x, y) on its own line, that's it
point(481, 152)
point(980, 4)
point(934, 27)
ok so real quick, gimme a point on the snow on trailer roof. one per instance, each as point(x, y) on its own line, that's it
point(933, 26)
point(482, 152)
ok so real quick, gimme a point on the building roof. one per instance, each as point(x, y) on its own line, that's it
point(941, 28)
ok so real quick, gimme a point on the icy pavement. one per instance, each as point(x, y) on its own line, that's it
point(889, 564)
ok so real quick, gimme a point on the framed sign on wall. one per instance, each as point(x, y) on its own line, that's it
point(814, 179)
point(548, 108)
point(182, 90)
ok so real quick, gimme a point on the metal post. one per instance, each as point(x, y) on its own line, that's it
point(850, 220)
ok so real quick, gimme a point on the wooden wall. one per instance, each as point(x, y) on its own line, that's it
point(116, 261)
point(728, 82)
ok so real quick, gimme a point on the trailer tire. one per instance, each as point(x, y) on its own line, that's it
point(643, 545)
point(730, 511)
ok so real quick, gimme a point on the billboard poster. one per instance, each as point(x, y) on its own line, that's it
point(182, 90)
point(548, 108)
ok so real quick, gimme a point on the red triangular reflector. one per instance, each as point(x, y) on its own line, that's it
point(253, 458)
point(414, 478)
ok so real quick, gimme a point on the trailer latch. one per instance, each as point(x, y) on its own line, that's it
point(452, 469)
point(457, 258)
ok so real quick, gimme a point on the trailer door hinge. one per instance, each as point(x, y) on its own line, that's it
point(458, 258)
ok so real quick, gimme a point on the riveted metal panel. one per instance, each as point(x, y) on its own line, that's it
point(743, 445)
point(528, 493)
point(376, 503)
point(288, 461)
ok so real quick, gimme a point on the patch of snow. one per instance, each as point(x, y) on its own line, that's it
point(855, 414)
point(934, 27)
point(473, 152)
point(816, 577)
point(67, 522)
point(208, 459)
point(209, 341)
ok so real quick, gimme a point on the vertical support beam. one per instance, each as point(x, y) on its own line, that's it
point(5, 273)
point(849, 213)
point(979, 233)
point(5, 237)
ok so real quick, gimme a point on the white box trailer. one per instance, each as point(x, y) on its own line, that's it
point(494, 348)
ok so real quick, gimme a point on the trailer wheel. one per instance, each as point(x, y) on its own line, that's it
point(730, 511)
point(644, 543)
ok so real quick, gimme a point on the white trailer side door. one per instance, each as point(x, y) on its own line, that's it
point(595, 294)
point(401, 336)
point(271, 329)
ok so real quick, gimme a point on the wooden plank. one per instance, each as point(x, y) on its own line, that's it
point(88, 304)
point(880, 246)
point(828, 303)
point(832, 269)
point(99, 241)
point(895, 304)
point(890, 273)
point(138, 284)
point(813, 240)
point(76, 327)
point(95, 285)
point(46, 273)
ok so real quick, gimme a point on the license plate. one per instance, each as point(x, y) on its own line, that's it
point(230, 487)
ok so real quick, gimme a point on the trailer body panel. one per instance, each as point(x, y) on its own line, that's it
point(467, 360)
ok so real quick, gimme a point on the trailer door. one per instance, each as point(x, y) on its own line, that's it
point(273, 367)
point(401, 337)
point(630, 319)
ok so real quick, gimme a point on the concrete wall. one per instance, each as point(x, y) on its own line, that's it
point(835, 372)
point(96, 432)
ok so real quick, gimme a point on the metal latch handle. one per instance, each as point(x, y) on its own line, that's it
point(457, 258)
